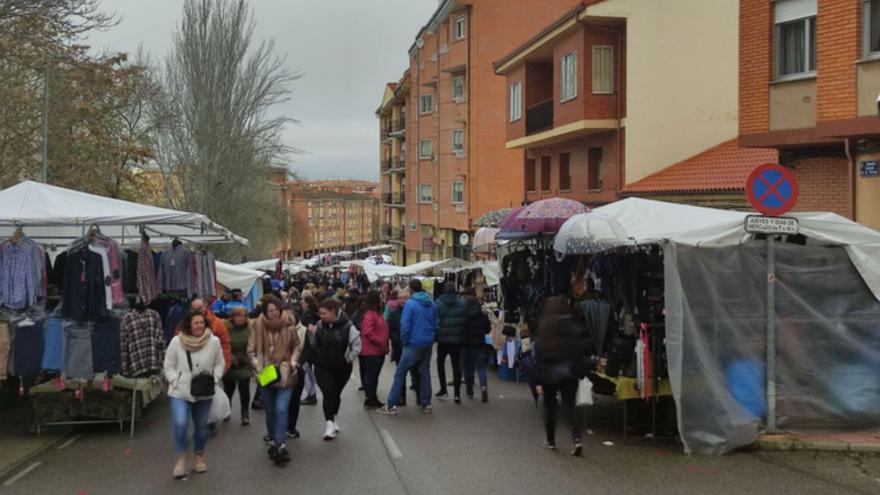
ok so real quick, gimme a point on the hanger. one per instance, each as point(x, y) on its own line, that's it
point(175, 243)
point(144, 236)
point(18, 235)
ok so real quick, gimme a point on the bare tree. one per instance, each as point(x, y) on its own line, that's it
point(224, 139)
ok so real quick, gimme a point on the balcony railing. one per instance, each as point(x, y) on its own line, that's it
point(398, 199)
point(386, 198)
point(398, 233)
point(539, 117)
point(386, 164)
point(387, 231)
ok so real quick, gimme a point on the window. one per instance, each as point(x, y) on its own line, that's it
point(594, 169)
point(426, 149)
point(460, 27)
point(603, 70)
point(458, 141)
point(458, 192)
point(795, 37)
point(426, 103)
point(568, 77)
point(516, 101)
point(458, 88)
point(564, 175)
point(545, 173)
point(426, 193)
point(871, 27)
point(530, 175)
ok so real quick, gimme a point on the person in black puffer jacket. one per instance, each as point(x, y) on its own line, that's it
point(478, 326)
point(451, 335)
point(561, 353)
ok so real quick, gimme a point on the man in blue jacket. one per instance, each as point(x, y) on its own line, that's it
point(418, 328)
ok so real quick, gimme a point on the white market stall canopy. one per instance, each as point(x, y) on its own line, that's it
point(373, 249)
point(491, 270)
point(260, 265)
point(376, 272)
point(636, 221)
point(237, 277)
point(56, 216)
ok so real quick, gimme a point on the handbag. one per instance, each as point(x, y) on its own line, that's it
point(269, 375)
point(584, 393)
point(201, 385)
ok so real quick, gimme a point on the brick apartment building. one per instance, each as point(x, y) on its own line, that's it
point(392, 115)
point(809, 82)
point(456, 164)
point(616, 90)
point(326, 216)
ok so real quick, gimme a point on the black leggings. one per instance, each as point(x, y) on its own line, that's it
point(293, 410)
point(568, 389)
point(244, 393)
point(332, 381)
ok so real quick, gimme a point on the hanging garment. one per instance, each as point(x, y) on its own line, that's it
point(5, 349)
point(172, 321)
point(114, 258)
point(597, 315)
point(129, 272)
point(83, 291)
point(141, 343)
point(148, 287)
point(105, 263)
point(207, 274)
point(18, 284)
point(105, 346)
point(53, 345)
point(27, 348)
point(176, 270)
point(78, 351)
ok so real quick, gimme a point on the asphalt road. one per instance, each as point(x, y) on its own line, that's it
point(468, 448)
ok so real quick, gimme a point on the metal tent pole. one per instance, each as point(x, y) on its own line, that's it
point(771, 334)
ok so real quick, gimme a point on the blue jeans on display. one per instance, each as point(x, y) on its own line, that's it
point(181, 410)
point(277, 403)
point(474, 357)
point(413, 357)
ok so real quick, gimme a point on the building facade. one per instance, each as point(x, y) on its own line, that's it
point(808, 87)
point(457, 166)
point(611, 93)
point(392, 115)
point(331, 218)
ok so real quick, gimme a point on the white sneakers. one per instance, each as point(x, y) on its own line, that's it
point(335, 426)
point(331, 431)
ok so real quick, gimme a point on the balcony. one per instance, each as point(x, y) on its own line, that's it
point(385, 165)
point(387, 231)
point(394, 199)
point(539, 117)
point(399, 128)
point(398, 234)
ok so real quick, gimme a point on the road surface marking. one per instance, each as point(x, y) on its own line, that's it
point(22, 474)
point(390, 446)
point(70, 442)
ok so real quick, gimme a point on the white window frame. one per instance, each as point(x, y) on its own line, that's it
point(458, 185)
point(459, 28)
point(867, 11)
point(430, 154)
point(426, 108)
point(603, 70)
point(458, 84)
point(791, 12)
point(568, 77)
point(458, 147)
point(426, 193)
point(515, 101)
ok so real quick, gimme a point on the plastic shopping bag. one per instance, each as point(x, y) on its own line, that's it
point(220, 408)
point(585, 393)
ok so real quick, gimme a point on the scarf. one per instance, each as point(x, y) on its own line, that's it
point(268, 334)
point(194, 344)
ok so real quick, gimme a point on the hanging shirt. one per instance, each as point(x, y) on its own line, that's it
point(148, 287)
point(105, 263)
point(176, 270)
point(141, 343)
point(18, 284)
point(83, 291)
point(115, 272)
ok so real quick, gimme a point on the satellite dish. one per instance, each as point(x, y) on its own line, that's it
point(463, 239)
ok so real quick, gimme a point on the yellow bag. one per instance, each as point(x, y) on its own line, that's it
point(268, 376)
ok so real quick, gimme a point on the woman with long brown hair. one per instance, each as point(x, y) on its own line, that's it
point(193, 354)
point(274, 343)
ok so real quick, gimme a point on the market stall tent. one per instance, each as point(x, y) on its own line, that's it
point(56, 216)
point(825, 305)
point(238, 277)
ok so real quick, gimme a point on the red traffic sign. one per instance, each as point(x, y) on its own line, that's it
point(772, 189)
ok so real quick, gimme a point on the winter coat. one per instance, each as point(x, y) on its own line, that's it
point(334, 345)
point(374, 335)
point(286, 343)
point(562, 349)
point(238, 338)
point(452, 316)
point(478, 324)
point(418, 325)
point(218, 328)
point(176, 367)
point(394, 311)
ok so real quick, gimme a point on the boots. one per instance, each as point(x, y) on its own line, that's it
point(180, 468)
point(201, 467)
point(485, 395)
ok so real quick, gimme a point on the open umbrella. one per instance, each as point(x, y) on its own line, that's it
point(589, 233)
point(484, 239)
point(510, 228)
point(492, 218)
point(542, 217)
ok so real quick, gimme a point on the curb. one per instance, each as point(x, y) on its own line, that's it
point(4, 473)
point(789, 442)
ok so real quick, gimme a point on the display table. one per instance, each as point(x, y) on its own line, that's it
point(125, 401)
point(626, 390)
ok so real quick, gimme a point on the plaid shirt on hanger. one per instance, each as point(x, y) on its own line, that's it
point(142, 343)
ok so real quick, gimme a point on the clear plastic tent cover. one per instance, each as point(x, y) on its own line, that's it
point(827, 345)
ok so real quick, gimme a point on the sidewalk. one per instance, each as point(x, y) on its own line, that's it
point(19, 445)
point(859, 441)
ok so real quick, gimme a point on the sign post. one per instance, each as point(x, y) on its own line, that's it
point(772, 190)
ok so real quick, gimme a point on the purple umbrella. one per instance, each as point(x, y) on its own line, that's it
point(508, 223)
point(542, 217)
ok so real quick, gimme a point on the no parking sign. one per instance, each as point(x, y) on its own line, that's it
point(772, 189)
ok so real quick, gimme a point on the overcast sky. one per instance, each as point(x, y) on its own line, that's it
point(347, 49)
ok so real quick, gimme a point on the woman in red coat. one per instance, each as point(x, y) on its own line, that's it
point(374, 346)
